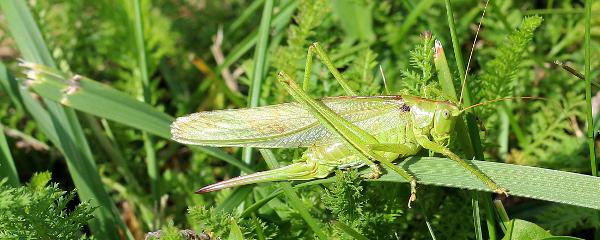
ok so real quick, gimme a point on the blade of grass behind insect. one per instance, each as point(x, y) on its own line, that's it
point(103, 101)
point(524, 181)
point(445, 78)
point(355, 18)
point(348, 230)
point(588, 87)
point(473, 133)
point(235, 199)
point(292, 196)
point(151, 161)
point(62, 127)
point(244, 16)
point(114, 153)
point(420, 210)
point(280, 20)
point(258, 204)
point(588, 95)
point(411, 19)
point(7, 163)
point(10, 87)
point(260, 59)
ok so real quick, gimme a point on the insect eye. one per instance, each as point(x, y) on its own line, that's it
point(446, 114)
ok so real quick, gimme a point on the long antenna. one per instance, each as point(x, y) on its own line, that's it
point(501, 99)
point(464, 81)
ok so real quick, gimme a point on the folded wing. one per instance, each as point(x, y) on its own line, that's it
point(287, 125)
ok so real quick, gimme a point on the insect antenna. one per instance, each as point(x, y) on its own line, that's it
point(500, 100)
point(464, 80)
point(385, 86)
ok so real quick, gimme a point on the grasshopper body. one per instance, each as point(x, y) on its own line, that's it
point(338, 132)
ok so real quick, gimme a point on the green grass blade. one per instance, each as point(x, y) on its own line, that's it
point(355, 18)
point(103, 101)
point(7, 163)
point(473, 132)
point(107, 143)
point(292, 196)
point(411, 20)
point(521, 181)
point(280, 20)
point(258, 204)
point(244, 16)
point(62, 127)
point(260, 59)
point(151, 161)
point(588, 95)
point(476, 216)
point(588, 87)
point(25, 32)
point(235, 199)
point(446, 81)
point(348, 230)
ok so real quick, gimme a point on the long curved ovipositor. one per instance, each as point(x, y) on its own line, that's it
point(296, 171)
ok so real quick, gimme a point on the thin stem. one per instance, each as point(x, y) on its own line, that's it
point(260, 59)
point(151, 161)
point(473, 134)
point(553, 11)
point(588, 87)
point(476, 216)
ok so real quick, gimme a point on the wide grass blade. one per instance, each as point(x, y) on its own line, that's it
point(62, 127)
point(103, 101)
point(521, 181)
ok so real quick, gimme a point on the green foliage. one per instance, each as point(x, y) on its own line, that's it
point(39, 211)
point(562, 219)
point(421, 59)
point(290, 57)
point(550, 139)
point(95, 39)
point(345, 199)
point(418, 80)
point(361, 72)
point(372, 210)
point(521, 229)
point(499, 76)
point(218, 224)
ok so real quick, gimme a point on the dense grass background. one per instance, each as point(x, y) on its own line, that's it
point(110, 147)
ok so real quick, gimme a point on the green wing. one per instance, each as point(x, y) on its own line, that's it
point(287, 125)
